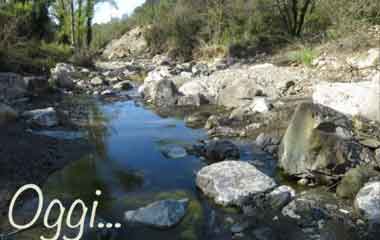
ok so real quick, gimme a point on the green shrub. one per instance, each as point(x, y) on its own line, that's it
point(32, 57)
point(83, 58)
point(304, 56)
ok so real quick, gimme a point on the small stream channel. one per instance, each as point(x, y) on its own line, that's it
point(130, 168)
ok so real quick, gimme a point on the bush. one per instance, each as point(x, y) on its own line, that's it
point(32, 57)
point(84, 58)
point(304, 56)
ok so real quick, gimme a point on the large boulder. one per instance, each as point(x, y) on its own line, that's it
point(42, 117)
point(361, 98)
point(233, 182)
point(197, 87)
point(367, 202)
point(7, 114)
point(164, 93)
point(311, 148)
point(152, 79)
point(62, 75)
point(236, 87)
point(12, 86)
point(131, 43)
point(162, 214)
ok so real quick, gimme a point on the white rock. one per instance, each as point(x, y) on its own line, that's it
point(361, 98)
point(186, 74)
point(97, 81)
point(62, 75)
point(371, 59)
point(162, 214)
point(367, 201)
point(232, 182)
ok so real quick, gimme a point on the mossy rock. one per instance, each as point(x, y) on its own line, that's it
point(354, 180)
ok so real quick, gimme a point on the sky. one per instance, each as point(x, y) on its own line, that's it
point(104, 11)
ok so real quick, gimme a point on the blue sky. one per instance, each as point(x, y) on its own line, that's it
point(104, 11)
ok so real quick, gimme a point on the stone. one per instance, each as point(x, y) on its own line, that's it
point(239, 227)
point(62, 75)
point(152, 80)
point(238, 87)
point(42, 117)
point(224, 132)
point(355, 99)
point(233, 182)
point(264, 234)
point(200, 69)
point(36, 84)
point(196, 87)
point(191, 100)
point(343, 133)
point(197, 119)
point(219, 150)
point(265, 140)
point(97, 81)
point(280, 197)
point(377, 156)
point(162, 214)
point(112, 80)
point(186, 74)
point(107, 92)
point(367, 202)
point(164, 93)
point(310, 147)
point(370, 143)
point(7, 114)
point(162, 60)
point(260, 105)
point(124, 85)
point(212, 122)
point(353, 181)
point(131, 43)
point(257, 105)
point(12, 86)
point(174, 152)
point(305, 211)
point(371, 59)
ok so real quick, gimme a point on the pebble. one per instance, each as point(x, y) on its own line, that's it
point(303, 182)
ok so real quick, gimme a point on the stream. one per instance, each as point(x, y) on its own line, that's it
point(131, 169)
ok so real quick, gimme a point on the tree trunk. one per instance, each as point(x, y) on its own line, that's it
point(79, 23)
point(303, 13)
point(89, 16)
point(89, 31)
point(72, 10)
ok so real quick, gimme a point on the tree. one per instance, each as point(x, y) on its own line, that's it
point(293, 14)
point(75, 19)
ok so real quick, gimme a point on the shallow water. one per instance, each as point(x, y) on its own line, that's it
point(131, 170)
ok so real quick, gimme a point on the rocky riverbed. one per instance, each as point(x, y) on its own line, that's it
point(228, 149)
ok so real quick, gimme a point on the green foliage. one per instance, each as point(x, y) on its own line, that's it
point(32, 57)
point(83, 58)
point(247, 27)
point(304, 56)
point(104, 33)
